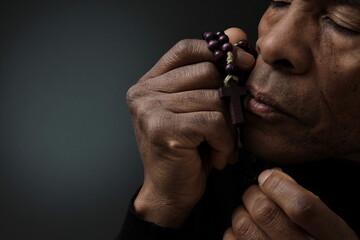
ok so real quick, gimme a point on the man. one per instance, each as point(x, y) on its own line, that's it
point(302, 112)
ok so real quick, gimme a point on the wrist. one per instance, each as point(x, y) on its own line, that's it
point(161, 211)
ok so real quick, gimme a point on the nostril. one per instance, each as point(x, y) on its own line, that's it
point(283, 63)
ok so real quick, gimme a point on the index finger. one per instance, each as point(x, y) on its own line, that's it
point(185, 52)
point(243, 59)
point(303, 207)
point(192, 51)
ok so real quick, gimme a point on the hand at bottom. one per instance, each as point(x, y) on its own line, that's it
point(279, 208)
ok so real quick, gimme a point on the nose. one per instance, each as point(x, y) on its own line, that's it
point(284, 43)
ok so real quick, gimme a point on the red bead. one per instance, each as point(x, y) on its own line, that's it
point(243, 44)
point(227, 47)
point(213, 45)
point(223, 39)
point(219, 55)
point(219, 33)
point(209, 36)
point(230, 69)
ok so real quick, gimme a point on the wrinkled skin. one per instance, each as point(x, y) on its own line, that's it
point(303, 106)
point(312, 71)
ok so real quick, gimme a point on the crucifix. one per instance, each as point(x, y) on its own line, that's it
point(233, 91)
point(218, 43)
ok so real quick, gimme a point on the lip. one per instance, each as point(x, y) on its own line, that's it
point(263, 105)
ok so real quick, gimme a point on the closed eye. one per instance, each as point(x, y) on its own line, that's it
point(279, 4)
point(340, 29)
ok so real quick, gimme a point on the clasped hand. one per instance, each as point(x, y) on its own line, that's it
point(280, 209)
point(175, 108)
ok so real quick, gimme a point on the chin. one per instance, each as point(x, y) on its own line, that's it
point(275, 148)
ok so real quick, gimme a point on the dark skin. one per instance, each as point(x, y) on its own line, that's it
point(303, 106)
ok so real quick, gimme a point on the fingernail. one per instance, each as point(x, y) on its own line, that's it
point(265, 175)
point(245, 59)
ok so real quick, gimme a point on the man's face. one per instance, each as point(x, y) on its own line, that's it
point(305, 87)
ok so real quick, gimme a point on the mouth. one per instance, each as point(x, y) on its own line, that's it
point(263, 105)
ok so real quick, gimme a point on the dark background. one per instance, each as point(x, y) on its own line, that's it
point(68, 158)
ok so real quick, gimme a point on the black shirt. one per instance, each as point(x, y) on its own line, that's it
point(335, 182)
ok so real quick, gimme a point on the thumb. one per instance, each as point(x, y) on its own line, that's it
point(235, 34)
point(243, 60)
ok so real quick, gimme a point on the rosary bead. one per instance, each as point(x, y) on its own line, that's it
point(209, 36)
point(219, 55)
point(218, 43)
point(219, 33)
point(227, 47)
point(223, 39)
point(213, 45)
point(243, 44)
point(230, 69)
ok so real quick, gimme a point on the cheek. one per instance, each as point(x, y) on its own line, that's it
point(340, 86)
point(340, 79)
point(343, 94)
point(339, 70)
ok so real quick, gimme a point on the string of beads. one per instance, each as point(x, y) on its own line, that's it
point(218, 43)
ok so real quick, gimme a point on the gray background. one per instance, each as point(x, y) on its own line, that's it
point(68, 158)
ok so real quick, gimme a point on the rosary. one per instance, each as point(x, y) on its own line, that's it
point(234, 82)
point(234, 90)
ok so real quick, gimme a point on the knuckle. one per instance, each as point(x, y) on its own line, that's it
point(145, 114)
point(264, 211)
point(212, 120)
point(213, 97)
point(182, 46)
point(216, 118)
point(133, 94)
point(189, 99)
point(141, 102)
point(154, 132)
point(181, 49)
point(141, 121)
point(163, 130)
point(243, 227)
point(303, 208)
point(275, 183)
point(141, 112)
point(155, 128)
point(197, 122)
point(205, 98)
point(207, 69)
